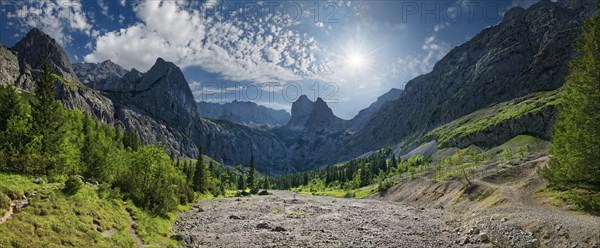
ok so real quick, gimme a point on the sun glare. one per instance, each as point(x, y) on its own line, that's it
point(356, 60)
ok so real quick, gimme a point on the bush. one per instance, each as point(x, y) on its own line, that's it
point(72, 185)
point(4, 201)
point(12, 194)
point(264, 192)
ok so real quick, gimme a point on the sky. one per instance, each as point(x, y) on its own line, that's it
point(269, 52)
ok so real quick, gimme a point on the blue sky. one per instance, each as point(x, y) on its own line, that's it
point(347, 52)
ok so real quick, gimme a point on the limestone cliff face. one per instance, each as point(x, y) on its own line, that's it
point(528, 52)
point(365, 114)
point(163, 94)
point(99, 76)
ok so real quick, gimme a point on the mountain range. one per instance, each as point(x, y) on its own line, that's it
point(244, 113)
point(527, 52)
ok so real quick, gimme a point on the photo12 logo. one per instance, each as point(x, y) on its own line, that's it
point(267, 92)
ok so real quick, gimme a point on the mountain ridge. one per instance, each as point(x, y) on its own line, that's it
point(244, 113)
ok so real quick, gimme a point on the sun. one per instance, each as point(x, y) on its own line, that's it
point(356, 60)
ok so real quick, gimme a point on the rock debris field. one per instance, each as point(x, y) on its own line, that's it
point(286, 219)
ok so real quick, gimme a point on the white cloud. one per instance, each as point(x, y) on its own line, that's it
point(236, 49)
point(55, 17)
point(408, 67)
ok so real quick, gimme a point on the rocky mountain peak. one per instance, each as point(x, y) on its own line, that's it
point(301, 110)
point(37, 47)
point(161, 92)
point(317, 114)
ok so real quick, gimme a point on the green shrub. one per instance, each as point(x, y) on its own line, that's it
point(11, 193)
point(264, 192)
point(4, 201)
point(72, 185)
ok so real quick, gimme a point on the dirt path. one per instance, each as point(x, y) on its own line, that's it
point(286, 219)
point(138, 241)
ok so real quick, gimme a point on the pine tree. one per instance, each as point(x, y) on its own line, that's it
point(201, 174)
point(10, 105)
point(251, 181)
point(575, 150)
point(131, 140)
point(393, 164)
point(267, 181)
point(241, 183)
point(48, 120)
point(189, 172)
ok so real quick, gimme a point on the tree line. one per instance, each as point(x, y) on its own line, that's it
point(355, 173)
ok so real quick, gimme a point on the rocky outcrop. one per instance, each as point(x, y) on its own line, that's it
point(9, 66)
point(528, 52)
point(244, 113)
point(163, 94)
point(365, 114)
point(100, 76)
point(313, 134)
point(31, 52)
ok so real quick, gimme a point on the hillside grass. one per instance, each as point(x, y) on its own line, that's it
point(54, 219)
point(494, 115)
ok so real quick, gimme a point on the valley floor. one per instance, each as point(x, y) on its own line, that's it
point(287, 219)
point(502, 208)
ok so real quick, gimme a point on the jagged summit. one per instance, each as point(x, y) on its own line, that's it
point(309, 114)
point(37, 47)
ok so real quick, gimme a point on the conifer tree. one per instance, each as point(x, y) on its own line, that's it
point(201, 173)
point(575, 150)
point(267, 181)
point(251, 181)
point(10, 105)
point(48, 120)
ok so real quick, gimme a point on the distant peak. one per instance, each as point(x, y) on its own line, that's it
point(160, 60)
point(35, 35)
point(303, 98)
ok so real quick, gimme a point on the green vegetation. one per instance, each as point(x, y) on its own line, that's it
point(72, 185)
point(251, 181)
point(201, 175)
point(42, 140)
point(575, 164)
point(492, 116)
point(55, 218)
point(356, 178)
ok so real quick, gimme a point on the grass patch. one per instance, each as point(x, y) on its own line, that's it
point(492, 116)
point(55, 219)
point(156, 230)
point(574, 199)
point(340, 193)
